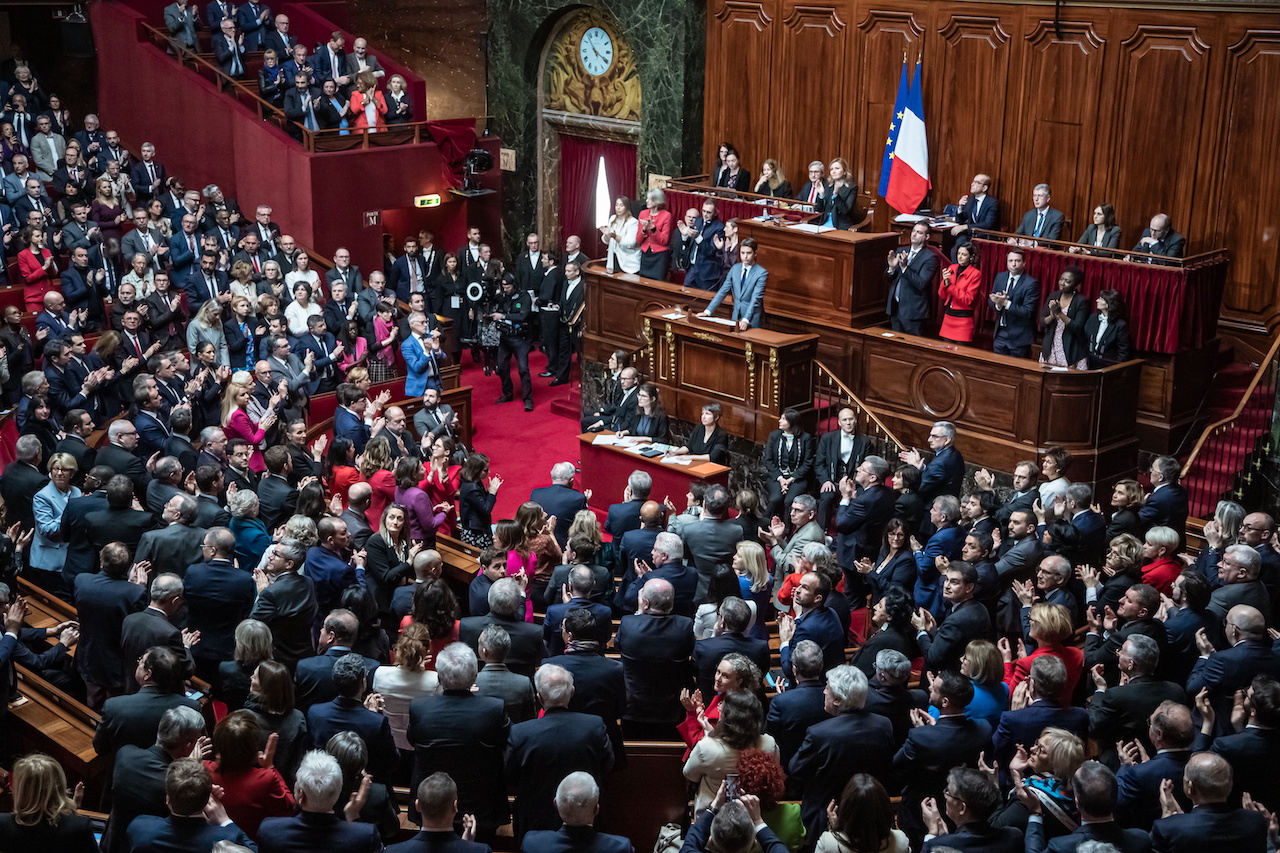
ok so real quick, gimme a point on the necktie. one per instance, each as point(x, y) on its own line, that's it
point(191, 243)
point(324, 348)
point(333, 61)
point(18, 119)
point(151, 172)
point(813, 192)
point(236, 67)
point(743, 283)
point(414, 286)
point(213, 288)
point(146, 240)
point(977, 205)
point(257, 266)
point(431, 362)
point(1039, 222)
point(137, 347)
point(1013, 282)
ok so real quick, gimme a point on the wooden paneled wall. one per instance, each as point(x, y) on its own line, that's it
point(1173, 109)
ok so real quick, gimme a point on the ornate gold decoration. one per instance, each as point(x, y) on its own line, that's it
point(751, 374)
point(704, 336)
point(572, 89)
point(773, 373)
point(671, 353)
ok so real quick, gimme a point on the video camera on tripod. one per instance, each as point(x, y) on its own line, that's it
point(482, 298)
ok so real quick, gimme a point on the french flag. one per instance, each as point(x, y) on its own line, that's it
point(909, 177)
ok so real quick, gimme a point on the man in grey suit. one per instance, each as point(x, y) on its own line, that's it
point(711, 541)
point(1238, 570)
point(804, 512)
point(144, 239)
point(496, 680)
point(180, 18)
point(746, 280)
point(178, 545)
point(359, 497)
point(435, 419)
point(296, 372)
point(359, 59)
point(1021, 553)
point(1041, 222)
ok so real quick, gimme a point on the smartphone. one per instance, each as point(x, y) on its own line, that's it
point(731, 789)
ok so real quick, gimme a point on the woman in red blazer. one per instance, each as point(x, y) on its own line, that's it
point(961, 283)
point(38, 269)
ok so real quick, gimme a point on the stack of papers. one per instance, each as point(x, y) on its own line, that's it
point(810, 228)
point(677, 460)
point(674, 315)
point(606, 439)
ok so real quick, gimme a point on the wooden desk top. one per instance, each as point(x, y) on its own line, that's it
point(757, 337)
point(696, 470)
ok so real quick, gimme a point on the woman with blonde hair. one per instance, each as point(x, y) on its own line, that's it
point(367, 103)
point(252, 647)
point(107, 211)
point(236, 422)
point(242, 283)
point(755, 584)
point(621, 234)
point(772, 182)
point(272, 284)
point(840, 197)
point(1051, 628)
point(206, 327)
point(1045, 769)
point(44, 814)
point(399, 107)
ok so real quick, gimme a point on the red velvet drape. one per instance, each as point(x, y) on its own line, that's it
point(579, 163)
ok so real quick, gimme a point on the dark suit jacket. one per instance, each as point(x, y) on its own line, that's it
point(1138, 787)
point(541, 752)
point(1166, 506)
point(80, 556)
point(219, 596)
point(1115, 345)
point(791, 714)
point(1121, 712)
point(683, 578)
point(137, 788)
point(123, 462)
point(310, 831)
point(175, 547)
point(1254, 755)
point(1110, 238)
point(943, 475)
point(101, 606)
point(135, 718)
point(708, 653)
point(622, 518)
point(986, 218)
point(827, 465)
point(923, 761)
point(1024, 726)
point(313, 677)
point(554, 619)
point(978, 838)
point(562, 502)
point(969, 621)
point(527, 648)
point(599, 687)
point(861, 524)
point(1208, 827)
point(572, 839)
point(1051, 230)
point(437, 842)
point(655, 662)
point(277, 501)
point(348, 715)
point(465, 735)
point(1019, 316)
point(142, 630)
point(832, 752)
point(173, 833)
point(1227, 671)
point(288, 607)
point(18, 488)
point(913, 283)
point(823, 627)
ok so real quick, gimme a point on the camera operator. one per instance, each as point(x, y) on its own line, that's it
point(512, 320)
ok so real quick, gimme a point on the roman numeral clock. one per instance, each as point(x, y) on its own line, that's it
point(595, 51)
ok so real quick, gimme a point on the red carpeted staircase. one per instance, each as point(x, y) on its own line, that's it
point(1222, 456)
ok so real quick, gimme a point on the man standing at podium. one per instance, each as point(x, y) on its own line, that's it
point(910, 276)
point(746, 279)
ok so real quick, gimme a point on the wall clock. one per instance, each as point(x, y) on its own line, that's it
point(596, 51)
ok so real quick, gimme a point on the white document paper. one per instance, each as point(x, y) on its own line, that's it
point(606, 439)
point(810, 228)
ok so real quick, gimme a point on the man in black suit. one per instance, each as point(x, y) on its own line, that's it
point(506, 609)
point(76, 427)
point(930, 751)
point(277, 500)
point(853, 741)
point(625, 516)
point(1015, 297)
point(195, 821)
point(1041, 222)
point(1044, 707)
point(1222, 673)
point(1170, 734)
point(1211, 823)
point(154, 627)
point(286, 602)
point(622, 402)
point(666, 562)
point(178, 543)
point(730, 636)
point(1120, 713)
point(1254, 752)
point(1090, 526)
point(813, 190)
point(80, 556)
point(118, 455)
point(637, 545)
point(866, 506)
point(581, 583)
point(942, 645)
point(910, 276)
point(319, 826)
point(465, 735)
point(887, 693)
point(436, 801)
point(794, 710)
point(102, 601)
point(545, 750)
point(1135, 614)
point(22, 479)
point(1167, 504)
point(218, 596)
point(137, 784)
point(1094, 789)
point(577, 801)
point(655, 646)
point(313, 676)
point(134, 719)
point(561, 499)
point(599, 686)
point(346, 712)
point(547, 285)
point(969, 798)
point(359, 497)
point(239, 452)
point(840, 452)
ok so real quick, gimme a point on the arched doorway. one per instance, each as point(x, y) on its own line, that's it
point(589, 125)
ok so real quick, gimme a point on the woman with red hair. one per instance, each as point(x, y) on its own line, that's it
point(759, 773)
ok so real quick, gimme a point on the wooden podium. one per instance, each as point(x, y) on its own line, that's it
point(754, 375)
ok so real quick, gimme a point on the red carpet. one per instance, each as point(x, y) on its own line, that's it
point(521, 446)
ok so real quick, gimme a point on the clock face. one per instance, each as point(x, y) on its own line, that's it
point(596, 51)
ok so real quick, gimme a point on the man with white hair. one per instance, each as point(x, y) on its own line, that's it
point(561, 499)
point(463, 734)
point(666, 563)
point(578, 803)
point(317, 786)
point(544, 750)
point(506, 610)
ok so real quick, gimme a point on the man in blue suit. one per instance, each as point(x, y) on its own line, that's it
point(968, 801)
point(189, 826)
point(317, 786)
point(437, 802)
point(314, 675)
point(1022, 726)
point(978, 211)
point(326, 354)
point(746, 280)
point(625, 516)
point(861, 518)
point(816, 622)
point(578, 803)
point(252, 19)
point(218, 597)
point(328, 565)
point(1211, 824)
point(561, 499)
point(704, 271)
point(1255, 752)
point(1090, 526)
point(793, 711)
point(346, 713)
point(1167, 504)
point(910, 276)
point(205, 282)
point(1015, 296)
point(184, 250)
point(1170, 733)
point(967, 619)
point(422, 357)
point(667, 563)
point(1041, 222)
point(1222, 673)
point(581, 584)
point(944, 474)
point(348, 418)
point(947, 541)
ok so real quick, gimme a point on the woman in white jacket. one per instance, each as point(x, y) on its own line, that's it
point(622, 235)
